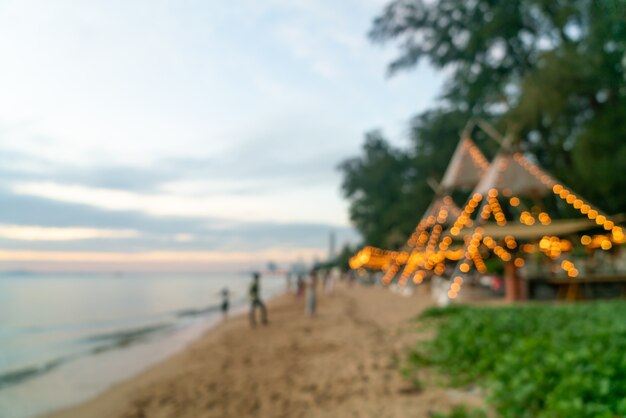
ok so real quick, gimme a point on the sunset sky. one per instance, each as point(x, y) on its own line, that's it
point(192, 134)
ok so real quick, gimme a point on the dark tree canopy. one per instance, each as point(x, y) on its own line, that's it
point(551, 73)
point(377, 185)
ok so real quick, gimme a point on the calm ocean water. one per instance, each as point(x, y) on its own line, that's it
point(67, 337)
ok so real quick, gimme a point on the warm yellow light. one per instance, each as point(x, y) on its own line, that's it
point(578, 203)
point(572, 272)
point(458, 279)
point(493, 193)
point(455, 287)
point(451, 294)
point(514, 201)
point(606, 245)
point(608, 225)
point(600, 219)
point(592, 214)
point(585, 240)
point(464, 267)
point(519, 262)
point(557, 188)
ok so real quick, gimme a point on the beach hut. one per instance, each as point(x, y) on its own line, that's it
point(509, 212)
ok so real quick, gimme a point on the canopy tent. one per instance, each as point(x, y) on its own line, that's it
point(466, 168)
point(510, 176)
point(423, 238)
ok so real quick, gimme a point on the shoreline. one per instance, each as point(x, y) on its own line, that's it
point(88, 375)
point(343, 362)
point(93, 359)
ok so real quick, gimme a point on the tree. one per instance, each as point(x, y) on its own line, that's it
point(551, 73)
point(378, 185)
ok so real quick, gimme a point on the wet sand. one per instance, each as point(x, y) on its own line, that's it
point(343, 363)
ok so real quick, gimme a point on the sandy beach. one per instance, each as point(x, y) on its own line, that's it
point(342, 363)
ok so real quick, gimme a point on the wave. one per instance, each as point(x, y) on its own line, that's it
point(102, 342)
point(16, 376)
point(124, 338)
point(198, 312)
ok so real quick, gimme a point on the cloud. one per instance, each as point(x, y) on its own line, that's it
point(162, 232)
point(203, 126)
point(280, 205)
point(42, 233)
point(160, 261)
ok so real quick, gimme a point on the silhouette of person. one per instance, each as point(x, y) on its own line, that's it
point(300, 285)
point(311, 294)
point(225, 301)
point(255, 301)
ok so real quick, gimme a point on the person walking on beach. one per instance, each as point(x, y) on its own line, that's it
point(255, 301)
point(311, 295)
point(288, 277)
point(300, 286)
point(225, 301)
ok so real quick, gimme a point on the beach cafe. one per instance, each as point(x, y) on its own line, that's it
point(519, 227)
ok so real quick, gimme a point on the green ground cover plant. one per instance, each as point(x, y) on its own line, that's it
point(461, 412)
point(556, 361)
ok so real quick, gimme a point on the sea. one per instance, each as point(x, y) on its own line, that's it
point(65, 338)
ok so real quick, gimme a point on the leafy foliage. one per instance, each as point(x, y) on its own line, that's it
point(461, 412)
point(550, 73)
point(537, 361)
point(379, 186)
point(387, 187)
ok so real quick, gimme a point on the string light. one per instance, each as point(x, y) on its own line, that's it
point(477, 157)
point(569, 267)
point(544, 218)
point(534, 170)
point(526, 218)
point(590, 212)
point(554, 246)
point(427, 252)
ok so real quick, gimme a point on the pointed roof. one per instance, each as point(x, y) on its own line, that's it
point(517, 175)
point(467, 166)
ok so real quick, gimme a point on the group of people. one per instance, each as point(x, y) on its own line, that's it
point(305, 287)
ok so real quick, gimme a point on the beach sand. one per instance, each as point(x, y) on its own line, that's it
point(343, 363)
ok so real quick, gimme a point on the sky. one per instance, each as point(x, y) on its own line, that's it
point(194, 135)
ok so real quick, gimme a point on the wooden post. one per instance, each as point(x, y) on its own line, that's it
point(512, 282)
